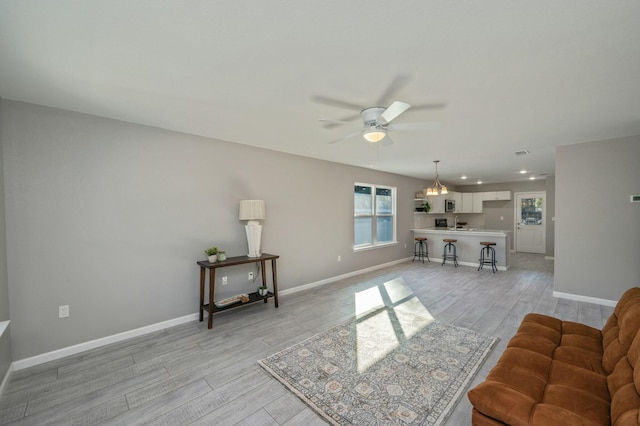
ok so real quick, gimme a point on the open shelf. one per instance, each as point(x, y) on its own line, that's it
point(253, 298)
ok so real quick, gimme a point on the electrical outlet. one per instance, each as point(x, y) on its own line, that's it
point(405, 245)
point(250, 276)
point(224, 280)
point(63, 311)
point(339, 258)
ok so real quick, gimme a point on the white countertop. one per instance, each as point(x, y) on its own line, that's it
point(463, 231)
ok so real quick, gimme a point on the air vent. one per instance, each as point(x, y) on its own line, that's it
point(523, 152)
point(635, 198)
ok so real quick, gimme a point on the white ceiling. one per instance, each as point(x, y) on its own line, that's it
point(514, 75)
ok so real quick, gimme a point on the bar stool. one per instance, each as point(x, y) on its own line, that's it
point(421, 250)
point(448, 256)
point(488, 256)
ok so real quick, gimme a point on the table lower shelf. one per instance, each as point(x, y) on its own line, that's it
point(253, 298)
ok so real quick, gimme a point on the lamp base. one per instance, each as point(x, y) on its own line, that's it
point(254, 235)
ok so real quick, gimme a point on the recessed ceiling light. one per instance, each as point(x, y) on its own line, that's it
point(463, 177)
point(479, 182)
point(523, 171)
point(532, 178)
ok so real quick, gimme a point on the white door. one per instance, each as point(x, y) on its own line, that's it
point(530, 222)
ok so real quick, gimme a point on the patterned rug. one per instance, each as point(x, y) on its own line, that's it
point(393, 366)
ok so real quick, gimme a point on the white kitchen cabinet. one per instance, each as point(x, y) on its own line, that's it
point(472, 202)
point(457, 198)
point(497, 196)
point(467, 203)
point(478, 198)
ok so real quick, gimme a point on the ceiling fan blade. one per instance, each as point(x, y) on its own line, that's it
point(394, 110)
point(336, 103)
point(386, 141)
point(427, 125)
point(345, 120)
point(396, 85)
point(429, 106)
point(346, 137)
point(336, 122)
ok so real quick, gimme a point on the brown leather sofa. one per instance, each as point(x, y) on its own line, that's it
point(557, 372)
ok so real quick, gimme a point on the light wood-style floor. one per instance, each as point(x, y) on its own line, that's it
point(191, 375)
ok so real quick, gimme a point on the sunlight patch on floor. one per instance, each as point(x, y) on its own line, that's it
point(397, 290)
point(368, 301)
point(376, 335)
point(375, 339)
point(413, 316)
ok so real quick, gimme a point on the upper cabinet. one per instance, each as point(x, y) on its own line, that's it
point(478, 198)
point(466, 202)
point(471, 202)
point(457, 197)
point(497, 196)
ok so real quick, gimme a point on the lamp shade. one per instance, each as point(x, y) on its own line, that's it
point(252, 210)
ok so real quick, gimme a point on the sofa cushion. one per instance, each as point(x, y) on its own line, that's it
point(551, 369)
point(620, 329)
point(624, 385)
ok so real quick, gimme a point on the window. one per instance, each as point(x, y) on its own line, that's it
point(374, 215)
point(531, 211)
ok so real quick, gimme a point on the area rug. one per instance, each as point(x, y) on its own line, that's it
point(393, 366)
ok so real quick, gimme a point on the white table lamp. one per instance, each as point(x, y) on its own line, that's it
point(253, 211)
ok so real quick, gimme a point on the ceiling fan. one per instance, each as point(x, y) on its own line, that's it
point(376, 120)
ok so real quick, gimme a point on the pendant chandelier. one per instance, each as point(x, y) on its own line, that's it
point(437, 188)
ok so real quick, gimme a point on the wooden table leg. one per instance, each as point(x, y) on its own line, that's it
point(212, 280)
point(274, 274)
point(202, 273)
point(264, 277)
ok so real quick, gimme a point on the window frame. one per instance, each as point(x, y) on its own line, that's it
point(374, 217)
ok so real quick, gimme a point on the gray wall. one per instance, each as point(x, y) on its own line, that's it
point(5, 340)
point(598, 229)
point(550, 238)
point(110, 218)
point(494, 210)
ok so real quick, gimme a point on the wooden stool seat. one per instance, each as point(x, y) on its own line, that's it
point(448, 240)
point(486, 243)
point(420, 239)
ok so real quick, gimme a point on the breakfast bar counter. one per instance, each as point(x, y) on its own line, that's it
point(468, 245)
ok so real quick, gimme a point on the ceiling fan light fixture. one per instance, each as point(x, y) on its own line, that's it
point(437, 188)
point(374, 134)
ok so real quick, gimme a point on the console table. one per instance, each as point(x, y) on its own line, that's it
point(232, 261)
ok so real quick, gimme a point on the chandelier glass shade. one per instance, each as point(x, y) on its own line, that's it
point(437, 188)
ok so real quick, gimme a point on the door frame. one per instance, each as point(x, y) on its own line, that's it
point(516, 219)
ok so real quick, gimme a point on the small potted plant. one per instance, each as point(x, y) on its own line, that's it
point(222, 255)
point(263, 290)
point(212, 253)
point(426, 206)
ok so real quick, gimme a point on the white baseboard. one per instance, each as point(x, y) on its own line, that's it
point(472, 264)
point(81, 347)
point(92, 344)
point(549, 258)
point(587, 299)
point(341, 277)
point(7, 376)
